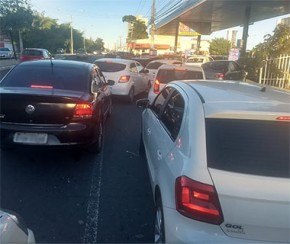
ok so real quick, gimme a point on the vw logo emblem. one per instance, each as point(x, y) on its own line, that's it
point(29, 109)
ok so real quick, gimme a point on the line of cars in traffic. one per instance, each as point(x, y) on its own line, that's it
point(210, 139)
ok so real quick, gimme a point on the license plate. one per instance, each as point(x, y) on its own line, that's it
point(30, 138)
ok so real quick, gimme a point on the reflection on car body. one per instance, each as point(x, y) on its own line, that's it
point(54, 103)
point(218, 167)
point(13, 229)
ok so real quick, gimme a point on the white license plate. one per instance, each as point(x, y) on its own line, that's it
point(30, 138)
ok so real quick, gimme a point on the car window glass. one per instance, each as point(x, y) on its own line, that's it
point(173, 113)
point(32, 52)
point(110, 66)
point(153, 65)
point(133, 68)
point(165, 76)
point(160, 100)
point(249, 146)
point(59, 78)
point(139, 67)
point(101, 76)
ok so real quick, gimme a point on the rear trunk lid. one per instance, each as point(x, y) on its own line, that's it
point(248, 161)
point(254, 207)
point(38, 106)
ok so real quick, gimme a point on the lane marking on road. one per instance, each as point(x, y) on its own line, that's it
point(92, 222)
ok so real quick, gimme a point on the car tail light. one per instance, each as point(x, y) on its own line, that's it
point(220, 76)
point(156, 87)
point(283, 118)
point(124, 78)
point(197, 201)
point(83, 111)
point(41, 86)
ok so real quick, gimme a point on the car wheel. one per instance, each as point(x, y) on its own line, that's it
point(159, 232)
point(131, 95)
point(97, 145)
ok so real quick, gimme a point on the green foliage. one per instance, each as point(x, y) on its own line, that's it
point(138, 28)
point(272, 47)
point(15, 15)
point(219, 46)
point(95, 45)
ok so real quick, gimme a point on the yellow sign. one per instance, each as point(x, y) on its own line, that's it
point(185, 30)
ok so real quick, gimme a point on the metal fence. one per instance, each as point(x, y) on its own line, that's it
point(276, 72)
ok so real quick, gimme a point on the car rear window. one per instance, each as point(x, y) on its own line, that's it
point(4, 49)
point(253, 147)
point(110, 66)
point(195, 60)
point(166, 75)
point(32, 52)
point(154, 65)
point(216, 66)
point(66, 78)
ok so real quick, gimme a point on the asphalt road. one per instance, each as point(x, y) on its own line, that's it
point(67, 197)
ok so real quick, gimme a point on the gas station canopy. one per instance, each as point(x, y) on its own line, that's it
point(207, 16)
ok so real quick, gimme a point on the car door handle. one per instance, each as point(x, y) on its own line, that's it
point(159, 155)
point(148, 131)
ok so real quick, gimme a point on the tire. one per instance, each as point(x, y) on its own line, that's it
point(97, 145)
point(159, 231)
point(131, 95)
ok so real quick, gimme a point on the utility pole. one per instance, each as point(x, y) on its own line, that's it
point(71, 37)
point(152, 25)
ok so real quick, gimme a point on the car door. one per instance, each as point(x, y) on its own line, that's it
point(97, 89)
point(135, 77)
point(105, 88)
point(144, 79)
point(161, 127)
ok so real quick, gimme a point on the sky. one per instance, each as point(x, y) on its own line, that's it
point(103, 18)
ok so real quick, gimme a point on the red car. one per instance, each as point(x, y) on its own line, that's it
point(29, 54)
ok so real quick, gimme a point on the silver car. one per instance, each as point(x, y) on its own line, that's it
point(5, 52)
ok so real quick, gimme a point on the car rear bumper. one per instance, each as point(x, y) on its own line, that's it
point(180, 229)
point(71, 134)
point(121, 89)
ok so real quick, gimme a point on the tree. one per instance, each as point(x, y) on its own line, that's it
point(272, 47)
point(219, 46)
point(138, 30)
point(15, 17)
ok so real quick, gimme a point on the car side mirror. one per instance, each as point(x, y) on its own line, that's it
point(142, 103)
point(111, 82)
point(145, 71)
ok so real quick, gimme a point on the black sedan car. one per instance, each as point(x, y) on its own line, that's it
point(224, 70)
point(54, 103)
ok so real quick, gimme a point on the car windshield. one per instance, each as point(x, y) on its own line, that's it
point(166, 75)
point(57, 78)
point(110, 66)
point(4, 49)
point(254, 147)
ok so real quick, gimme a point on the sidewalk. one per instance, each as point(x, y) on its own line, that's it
point(7, 63)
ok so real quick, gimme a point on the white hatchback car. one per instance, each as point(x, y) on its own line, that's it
point(13, 229)
point(218, 161)
point(198, 60)
point(129, 76)
point(153, 66)
point(167, 73)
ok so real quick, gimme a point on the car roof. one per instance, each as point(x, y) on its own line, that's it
point(116, 60)
point(165, 61)
point(226, 97)
point(32, 48)
point(55, 63)
point(183, 67)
